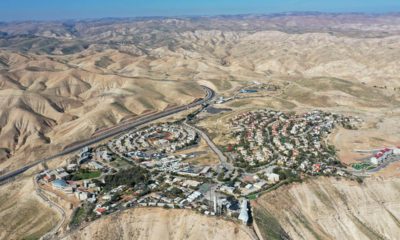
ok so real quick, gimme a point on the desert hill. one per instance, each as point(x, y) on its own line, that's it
point(147, 224)
point(45, 101)
point(331, 209)
point(61, 82)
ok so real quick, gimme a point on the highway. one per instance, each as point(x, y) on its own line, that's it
point(209, 94)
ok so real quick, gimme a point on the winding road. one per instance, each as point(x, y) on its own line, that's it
point(110, 133)
point(53, 205)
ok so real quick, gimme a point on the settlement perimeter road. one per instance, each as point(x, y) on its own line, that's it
point(53, 205)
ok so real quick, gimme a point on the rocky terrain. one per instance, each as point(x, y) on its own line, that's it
point(147, 224)
point(63, 81)
point(331, 209)
point(60, 81)
point(23, 214)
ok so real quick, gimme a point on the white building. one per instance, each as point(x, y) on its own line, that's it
point(81, 195)
point(396, 151)
point(260, 184)
point(374, 161)
point(244, 212)
point(272, 177)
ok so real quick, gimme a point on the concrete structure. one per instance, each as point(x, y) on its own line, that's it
point(244, 212)
point(59, 184)
point(396, 151)
point(261, 183)
point(273, 177)
point(374, 161)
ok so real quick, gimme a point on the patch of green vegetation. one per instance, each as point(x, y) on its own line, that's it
point(371, 167)
point(78, 216)
point(286, 174)
point(361, 166)
point(81, 214)
point(129, 177)
point(85, 174)
point(252, 197)
point(175, 192)
point(222, 85)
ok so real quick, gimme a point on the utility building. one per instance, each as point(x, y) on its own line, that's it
point(244, 212)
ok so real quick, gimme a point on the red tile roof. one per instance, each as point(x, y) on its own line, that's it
point(101, 210)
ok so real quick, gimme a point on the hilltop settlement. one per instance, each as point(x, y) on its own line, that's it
point(151, 167)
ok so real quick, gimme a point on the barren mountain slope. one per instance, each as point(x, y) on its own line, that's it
point(157, 223)
point(23, 214)
point(326, 208)
point(61, 81)
point(45, 102)
point(59, 99)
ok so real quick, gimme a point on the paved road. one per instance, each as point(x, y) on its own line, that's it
point(211, 144)
point(53, 205)
point(110, 133)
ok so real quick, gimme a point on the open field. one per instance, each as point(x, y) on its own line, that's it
point(378, 131)
point(207, 157)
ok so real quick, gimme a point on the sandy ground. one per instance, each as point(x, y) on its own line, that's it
point(66, 98)
point(207, 156)
point(158, 223)
point(378, 131)
point(22, 213)
point(326, 208)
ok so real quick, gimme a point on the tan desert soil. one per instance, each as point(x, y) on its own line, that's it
point(49, 99)
point(326, 208)
point(157, 223)
point(22, 213)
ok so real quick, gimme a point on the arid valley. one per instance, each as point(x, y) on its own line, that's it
point(295, 116)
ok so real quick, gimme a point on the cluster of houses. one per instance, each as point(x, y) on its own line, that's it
point(173, 185)
point(154, 141)
point(63, 178)
point(175, 164)
point(153, 148)
point(84, 190)
point(267, 137)
point(167, 190)
point(264, 141)
point(246, 184)
point(174, 182)
point(384, 154)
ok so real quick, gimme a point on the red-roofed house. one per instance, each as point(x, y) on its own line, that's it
point(316, 167)
point(100, 210)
